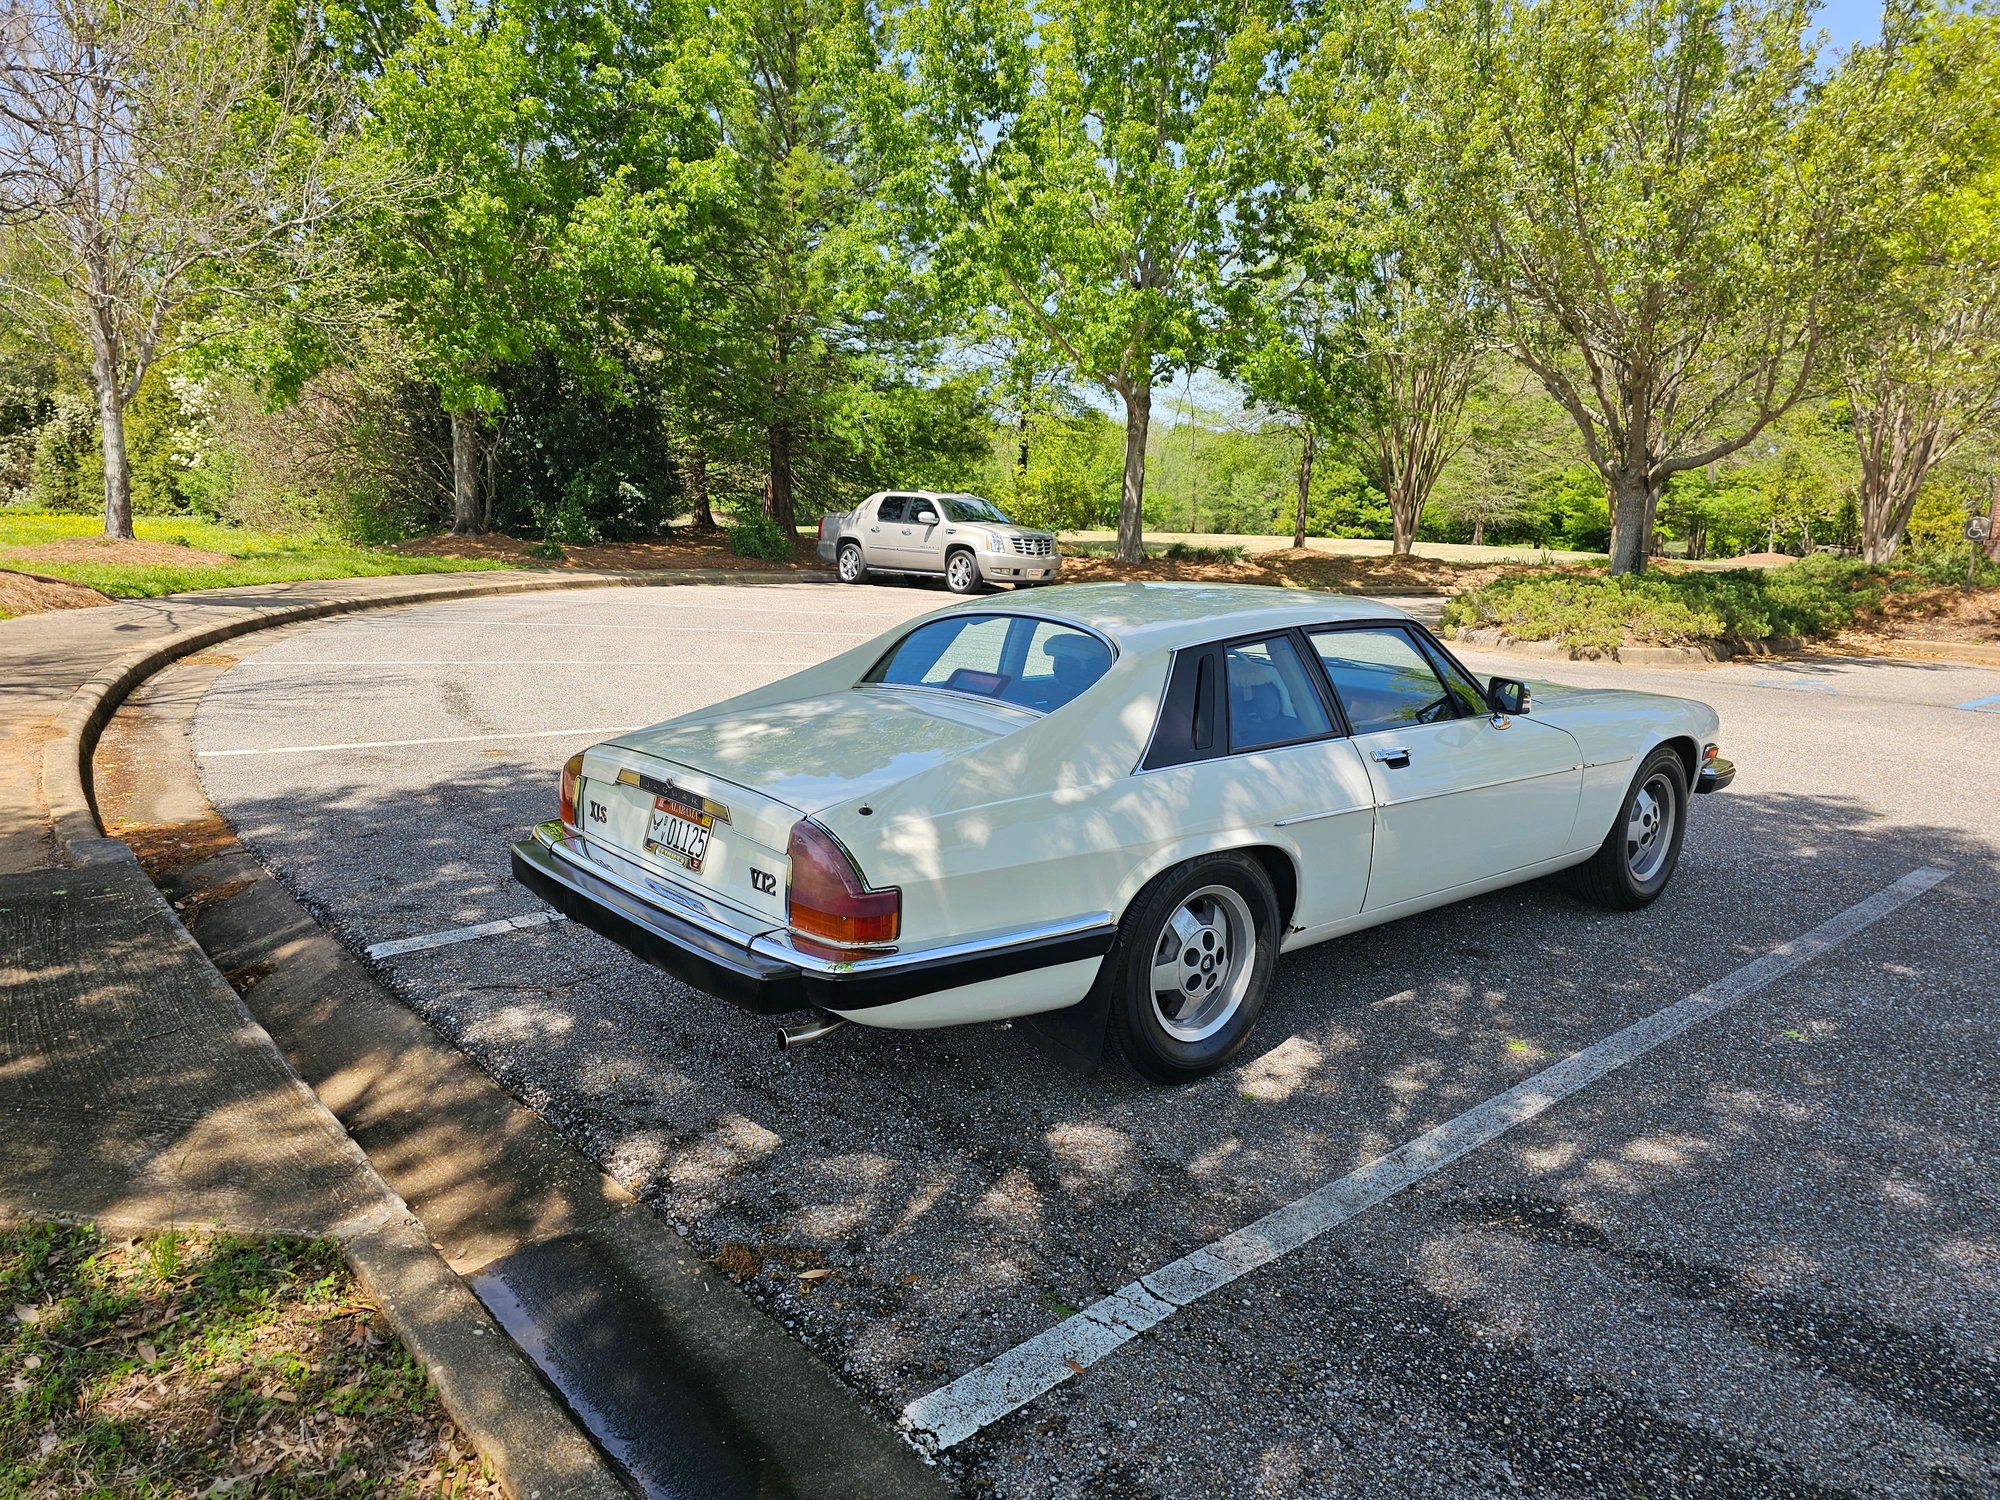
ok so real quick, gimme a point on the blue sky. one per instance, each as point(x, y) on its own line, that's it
point(1851, 21)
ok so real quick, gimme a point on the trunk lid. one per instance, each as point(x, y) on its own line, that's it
point(708, 804)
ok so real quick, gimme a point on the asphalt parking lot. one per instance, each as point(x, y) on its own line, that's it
point(1762, 1258)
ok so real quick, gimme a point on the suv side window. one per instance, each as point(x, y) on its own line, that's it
point(891, 508)
point(1272, 700)
point(1382, 679)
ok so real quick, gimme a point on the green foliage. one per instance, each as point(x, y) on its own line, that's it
point(757, 535)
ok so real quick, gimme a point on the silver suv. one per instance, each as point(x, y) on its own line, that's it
point(962, 537)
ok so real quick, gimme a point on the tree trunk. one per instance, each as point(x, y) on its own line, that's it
point(1882, 523)
point(704, 509)
point(1993, 520)
point(465, 472)
point(1479, 525)
point(1305, 490)
point(117, 472)
point(1633, 501)
point(1021, 453)
point(490, 484)
point(1403, 516)
point(1132, 494)
point(778, 488)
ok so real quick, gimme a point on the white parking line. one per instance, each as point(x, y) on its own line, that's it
point(981, 1397)
point(461, 934)
point(441, 739)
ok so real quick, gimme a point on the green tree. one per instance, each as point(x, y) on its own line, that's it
point(1088, 163)
point(812, 318)
point(1650, 232)
point(568, 153)
point(162, 166)
point(1910, 136)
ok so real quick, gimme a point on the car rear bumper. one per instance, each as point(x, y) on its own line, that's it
point(760, 970)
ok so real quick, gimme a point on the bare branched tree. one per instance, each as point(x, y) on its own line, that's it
point(158, 159)
point(1422, 348)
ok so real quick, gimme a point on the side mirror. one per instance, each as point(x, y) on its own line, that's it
point(925, 518)
point(1507, 695)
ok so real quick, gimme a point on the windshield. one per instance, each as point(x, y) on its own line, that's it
point(972, 508)
point(1029, 663)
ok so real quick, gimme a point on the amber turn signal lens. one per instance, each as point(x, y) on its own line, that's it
point(826, 898)
point(572, 777)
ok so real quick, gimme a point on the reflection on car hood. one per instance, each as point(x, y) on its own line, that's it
point(816, 752)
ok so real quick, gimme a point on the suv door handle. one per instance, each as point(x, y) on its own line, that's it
point(1393, 755)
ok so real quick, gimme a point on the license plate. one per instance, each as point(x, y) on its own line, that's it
point(679, 832)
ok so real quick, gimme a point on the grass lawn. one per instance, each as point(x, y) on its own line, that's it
point(176, 553)
point(186, 1365)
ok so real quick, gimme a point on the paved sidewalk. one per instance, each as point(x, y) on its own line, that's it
point(136, 1090)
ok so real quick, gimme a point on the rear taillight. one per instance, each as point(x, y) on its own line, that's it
point(826, 898)
point(572, 777)
point(822, 528)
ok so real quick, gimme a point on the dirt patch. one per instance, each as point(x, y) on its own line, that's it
point(1943, 614)
point(685, 549)
point(1299, 568)
point(30, 594)
point(104, 549)
point(165, 847)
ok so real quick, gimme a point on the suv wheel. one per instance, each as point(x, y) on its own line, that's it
point(961, 572)
point(851, 566)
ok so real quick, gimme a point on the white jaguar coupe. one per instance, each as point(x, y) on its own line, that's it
point(1109, 807)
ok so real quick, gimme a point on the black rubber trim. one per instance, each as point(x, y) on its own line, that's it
point(766, 986)
point(762, 986)
point(1716, 775)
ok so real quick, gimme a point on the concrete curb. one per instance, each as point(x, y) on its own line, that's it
point(494, 1394)
point(1972, 651)
point(66, 755)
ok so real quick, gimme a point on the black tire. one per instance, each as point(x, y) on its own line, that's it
point(1145, 1034)
point(965, 579)
point(1639, 854)
point(851, 563)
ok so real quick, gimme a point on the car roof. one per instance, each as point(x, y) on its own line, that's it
point(1168, 615)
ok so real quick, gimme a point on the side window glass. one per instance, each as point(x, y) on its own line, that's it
point(1464, 691)
point(1271, 698)
point(1382, 678)
point(891, 508)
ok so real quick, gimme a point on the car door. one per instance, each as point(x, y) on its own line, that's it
point(881, 532)
point(1461, 794)
point(1247, 743)
point(924, 537)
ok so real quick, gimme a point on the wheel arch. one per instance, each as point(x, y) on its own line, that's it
point(1689, 752)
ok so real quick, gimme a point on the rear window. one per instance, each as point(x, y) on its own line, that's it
point(1032, 664)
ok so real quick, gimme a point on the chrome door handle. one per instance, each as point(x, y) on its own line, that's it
point(1393, 755)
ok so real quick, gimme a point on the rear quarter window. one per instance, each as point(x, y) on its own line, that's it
point(1033, 664)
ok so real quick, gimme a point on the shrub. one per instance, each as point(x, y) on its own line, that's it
point(757, 535)
point(1816, 596)
point(1188, 552)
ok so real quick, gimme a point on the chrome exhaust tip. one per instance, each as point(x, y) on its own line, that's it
point(815, 1026)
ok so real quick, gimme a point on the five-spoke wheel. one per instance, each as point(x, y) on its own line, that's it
point(1638, 856)
point(1192, 964)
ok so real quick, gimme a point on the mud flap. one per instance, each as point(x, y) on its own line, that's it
point(1074, 1036)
